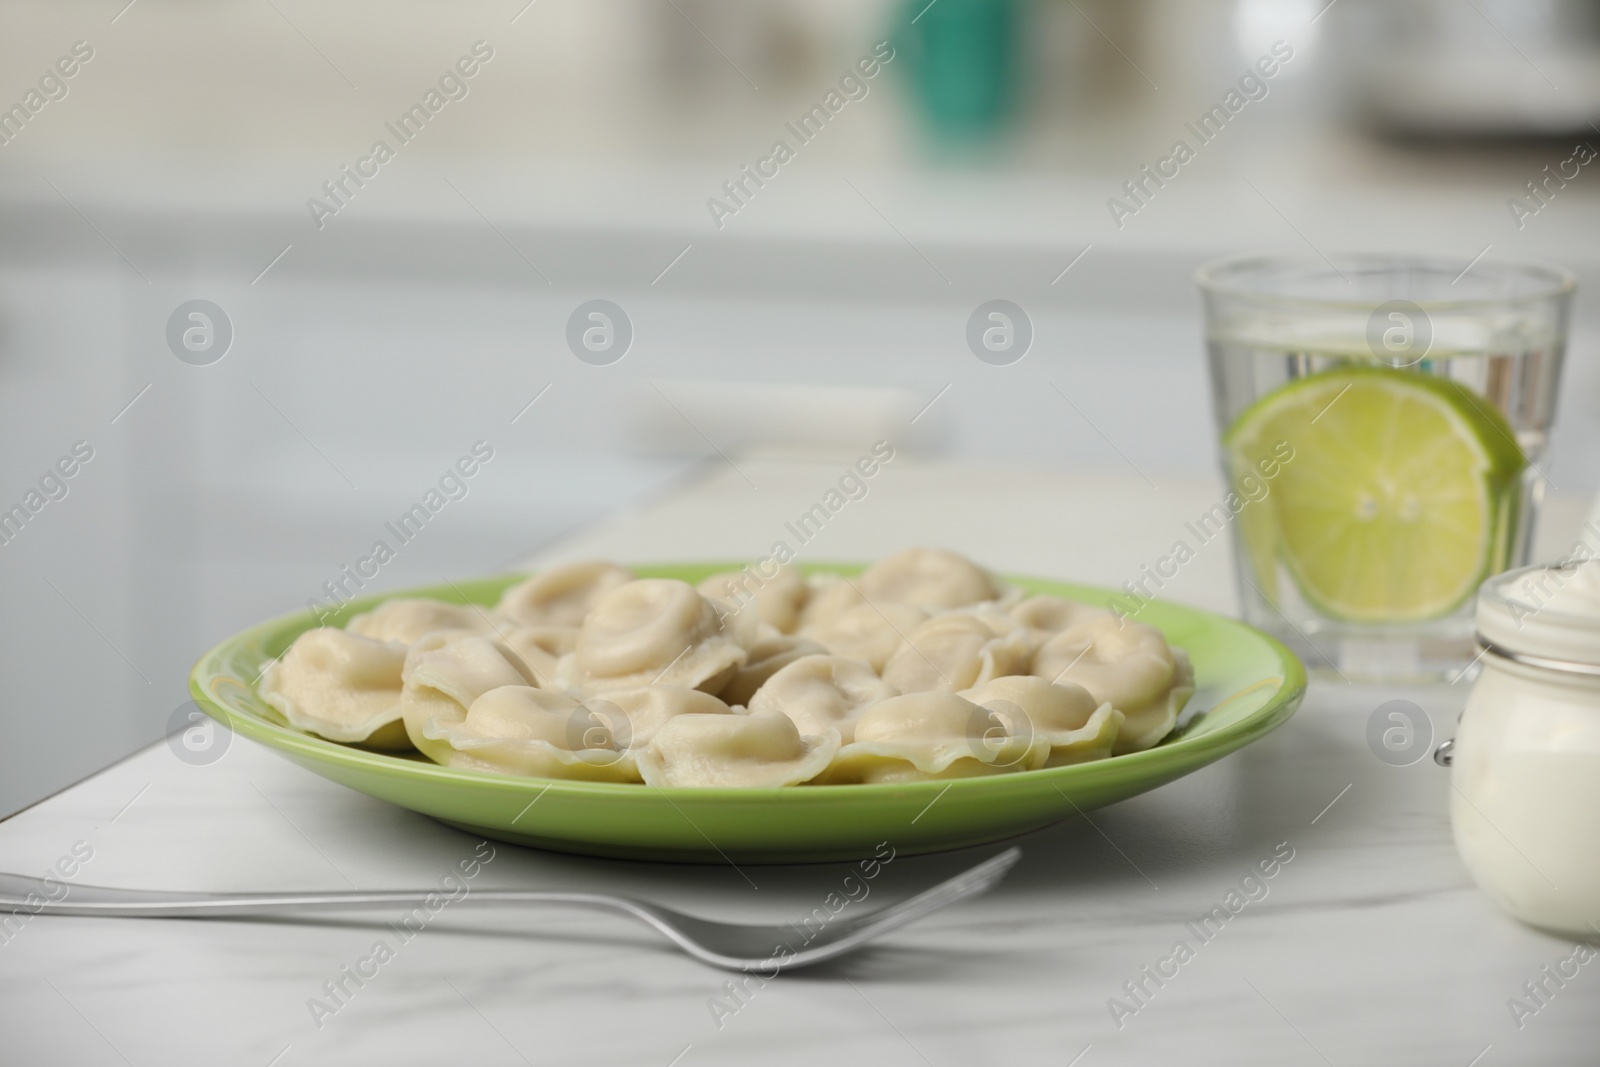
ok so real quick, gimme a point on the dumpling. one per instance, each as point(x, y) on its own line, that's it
point(540, 647)
point(867, 632)
point(1075, 726)
point(761, 750)
point(778, 599)
point(635, 716)
point(1048, 615)
point(654, 631)
point(926, 736)
point(444, 673)
point(828, 597)
point(563, 595)
point(404, 619)
point(341, 686)
point(1182, 685)
point(958, 650)
point(1127, 664)
point(930, 577)
point(517, 729)
point(771, 653)
point(823, 692)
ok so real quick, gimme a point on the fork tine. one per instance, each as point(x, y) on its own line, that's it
point(968, 883)
point(972, 881)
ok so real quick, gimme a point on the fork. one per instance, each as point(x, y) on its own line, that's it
point(733, 946)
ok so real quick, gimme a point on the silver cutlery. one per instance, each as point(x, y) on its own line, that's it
point(734, 946)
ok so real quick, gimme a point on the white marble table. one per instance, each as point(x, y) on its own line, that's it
point(1370, 946)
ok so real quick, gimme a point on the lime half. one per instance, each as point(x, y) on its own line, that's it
point(1387, 492)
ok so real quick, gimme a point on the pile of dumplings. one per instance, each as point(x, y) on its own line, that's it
point(923, 667)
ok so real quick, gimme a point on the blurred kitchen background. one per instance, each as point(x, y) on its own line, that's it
point(828, 310)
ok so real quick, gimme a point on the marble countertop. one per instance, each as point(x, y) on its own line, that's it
point(1369, 943)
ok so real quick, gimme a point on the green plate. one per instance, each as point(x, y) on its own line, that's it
point(1246, 684)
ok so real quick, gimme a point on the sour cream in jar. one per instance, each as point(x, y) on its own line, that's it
point(1525, 766)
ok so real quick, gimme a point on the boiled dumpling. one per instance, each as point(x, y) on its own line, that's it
point(563, 595)
point(867, 632)
point(1182, 685)
point(1047, 615)
point(637, 715)
point(778, 600)
point(823, 692)
point(517, 729)
point(998, 618)
point(958, 650)
point(768, 655)
point(931, 577)
point(444, 673)
point(1076, 726)
point(761, 750)
point(828, 596)
point(1127, 664)
point(404, 619)
point(341, 686)
point(654, 631)
point(540, 647)
point(925, 736)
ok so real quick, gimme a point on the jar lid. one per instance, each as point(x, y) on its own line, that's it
point(1551, 612)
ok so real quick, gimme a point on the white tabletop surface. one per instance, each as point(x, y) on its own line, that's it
point(1370, 947)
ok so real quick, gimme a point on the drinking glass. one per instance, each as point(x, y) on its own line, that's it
point(1426, 364)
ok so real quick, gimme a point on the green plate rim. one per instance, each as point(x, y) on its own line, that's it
point(1272, 714)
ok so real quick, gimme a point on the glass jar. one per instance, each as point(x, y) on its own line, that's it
point(1525, 764)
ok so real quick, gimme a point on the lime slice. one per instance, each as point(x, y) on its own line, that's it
point(1387, 492)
